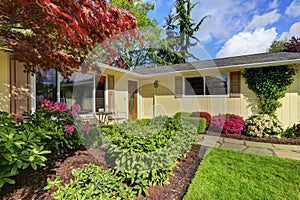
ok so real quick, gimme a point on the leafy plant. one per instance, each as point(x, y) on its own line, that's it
point(198, 122)
point(262, 125)
point(270, 85)
point(205, 115)
point(292, 131)
point(58, 122)
point(91, 182)
point(20, 146)
point(145, 154)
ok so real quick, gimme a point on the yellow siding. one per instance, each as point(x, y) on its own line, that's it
point(4, 82)
point(245, 105)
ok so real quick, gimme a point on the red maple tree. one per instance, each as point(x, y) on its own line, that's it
point(59, 34)
point(292, 45)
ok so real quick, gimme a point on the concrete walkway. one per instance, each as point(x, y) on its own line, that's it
point(266, 149)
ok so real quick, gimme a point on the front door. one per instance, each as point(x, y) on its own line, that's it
point(132, 99)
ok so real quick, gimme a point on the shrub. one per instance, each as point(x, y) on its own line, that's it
point(144, 156)
point(58, 122)
point(186, 117)
point(262, 125)
point(90, 182)
point(292, 131)
point(227, 124)
point(20, 146)
point(205, 115)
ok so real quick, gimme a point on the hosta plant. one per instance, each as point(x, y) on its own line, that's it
point(90, 182)
point(263, 125)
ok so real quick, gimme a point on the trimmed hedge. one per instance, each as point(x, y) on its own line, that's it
point(198, 122)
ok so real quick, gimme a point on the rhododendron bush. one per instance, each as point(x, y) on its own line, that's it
point(227, 124)
point(25, 139)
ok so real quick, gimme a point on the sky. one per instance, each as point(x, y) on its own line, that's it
point(238, 27)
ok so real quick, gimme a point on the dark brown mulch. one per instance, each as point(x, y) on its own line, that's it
point(30, 183)
point(291, 141)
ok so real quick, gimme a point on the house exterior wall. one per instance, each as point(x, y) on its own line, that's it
point(4, 82)
point(289, 113)
point(168, 104)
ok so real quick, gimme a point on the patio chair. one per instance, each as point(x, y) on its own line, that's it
point(115, 116)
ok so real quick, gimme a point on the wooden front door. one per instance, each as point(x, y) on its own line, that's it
point(132, 99)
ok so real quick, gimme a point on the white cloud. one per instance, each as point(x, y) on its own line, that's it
point(244, 43)
point(260, 21)
point(293, 9)
point(294, 31)
point(273, 4)
point(226, 18)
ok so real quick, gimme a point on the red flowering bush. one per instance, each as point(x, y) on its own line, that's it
point(227, 124)
point(205, 115)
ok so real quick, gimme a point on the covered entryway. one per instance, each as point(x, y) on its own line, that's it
point(132, 99)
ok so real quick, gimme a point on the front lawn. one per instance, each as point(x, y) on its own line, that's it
point(225, 174)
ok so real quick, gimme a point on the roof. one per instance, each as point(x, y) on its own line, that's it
point(237, 62)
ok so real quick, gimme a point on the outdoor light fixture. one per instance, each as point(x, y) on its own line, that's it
point(155, 83)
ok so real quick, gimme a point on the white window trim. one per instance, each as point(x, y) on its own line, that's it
point(204, 95)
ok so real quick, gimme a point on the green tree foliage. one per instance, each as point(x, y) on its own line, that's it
point(269, 84)
point(181, 26)
point(277, 46)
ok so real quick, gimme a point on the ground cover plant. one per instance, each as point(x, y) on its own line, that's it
point(225, 174)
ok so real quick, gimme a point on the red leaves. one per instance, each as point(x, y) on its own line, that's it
point(293, 45)
point(61, 32)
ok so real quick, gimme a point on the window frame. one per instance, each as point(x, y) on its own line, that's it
point(204, 80)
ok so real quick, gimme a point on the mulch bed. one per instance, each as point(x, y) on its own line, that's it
point(30, 183)
point(290, 141)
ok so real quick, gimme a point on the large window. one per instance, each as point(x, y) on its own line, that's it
point(207, 85)
point(78, 89)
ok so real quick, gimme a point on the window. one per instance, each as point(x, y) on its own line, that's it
point(78, 89)
point(208, 85)
point(46, 86)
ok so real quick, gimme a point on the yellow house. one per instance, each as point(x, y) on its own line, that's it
point(214, 86)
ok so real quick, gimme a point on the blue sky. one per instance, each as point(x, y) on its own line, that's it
point(238, 27)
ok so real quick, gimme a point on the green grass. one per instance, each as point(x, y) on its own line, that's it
point(225, 174)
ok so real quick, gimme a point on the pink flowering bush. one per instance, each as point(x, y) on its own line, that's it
point(227, 124)
point(56, 119)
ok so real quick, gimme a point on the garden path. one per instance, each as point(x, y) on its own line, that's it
point(261, 148)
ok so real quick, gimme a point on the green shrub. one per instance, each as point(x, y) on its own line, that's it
point(91, 182)
point(54, 118)
point(20, 146)
point(262, 125)
point(185, 117)
point(292, 131)
point(146, 155)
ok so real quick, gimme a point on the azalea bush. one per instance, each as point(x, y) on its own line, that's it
point(262, 125)
point(227, 124)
